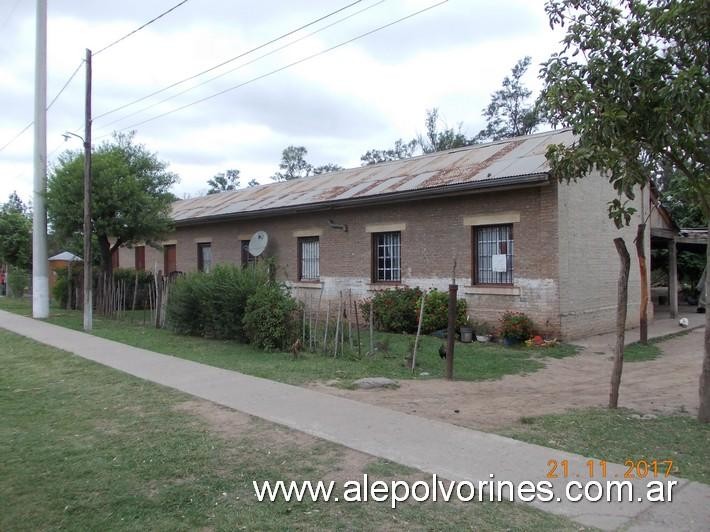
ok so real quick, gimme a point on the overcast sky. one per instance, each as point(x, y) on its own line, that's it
point(360, 96)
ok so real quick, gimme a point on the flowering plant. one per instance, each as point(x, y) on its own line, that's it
point(516, 326)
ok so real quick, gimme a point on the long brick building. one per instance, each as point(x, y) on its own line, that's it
point(520, 240)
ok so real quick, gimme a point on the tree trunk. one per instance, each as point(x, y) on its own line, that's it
point(641, 253)
point(704, 407)
point(622, 303)
point(105, 249)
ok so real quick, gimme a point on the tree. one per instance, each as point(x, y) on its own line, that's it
point(293, 164)
point(401, 150)
point(15, 233)
point(130, 199)
point(510, 112)
point(223, 182)
point(632, 81)
point(253, 183)
point(438, 140)
point(325, 168)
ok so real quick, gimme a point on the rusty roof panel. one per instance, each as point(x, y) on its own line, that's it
point(509, 158)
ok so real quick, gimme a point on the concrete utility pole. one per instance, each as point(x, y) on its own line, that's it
point(40, 266)
point(88, 263)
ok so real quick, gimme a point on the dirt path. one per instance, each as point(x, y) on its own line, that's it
point(665, 385)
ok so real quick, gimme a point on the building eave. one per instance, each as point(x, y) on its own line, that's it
point(478, 187)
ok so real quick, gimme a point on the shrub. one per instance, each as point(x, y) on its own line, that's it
point(398, 310)
point(436, 312)
point(60, 290)
point(516, 326)
point(17, 282)
point(270, 319)
point(213, 304)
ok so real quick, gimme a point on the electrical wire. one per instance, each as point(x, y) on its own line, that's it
point(66, 84)
point(230, 60)
point(172, 96)
point(9, 15)
point(308, 58)
point(114, 43)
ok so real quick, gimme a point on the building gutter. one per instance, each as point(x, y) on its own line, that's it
point(525, 181)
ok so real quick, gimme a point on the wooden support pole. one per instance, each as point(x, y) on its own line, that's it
point(643, 267)
point(673, 278)
point(419, 331)
point(622, 303)
point(451, 331)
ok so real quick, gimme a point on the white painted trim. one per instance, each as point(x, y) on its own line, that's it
point(315, 285)
point(511, 217)
point(385, 228)
point(203, 240)
point(314, 231)
point(492, 290)
point(169, 243)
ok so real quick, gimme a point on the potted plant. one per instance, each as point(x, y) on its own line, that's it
point(516, 327)
point(482, 331)
point(466, 330)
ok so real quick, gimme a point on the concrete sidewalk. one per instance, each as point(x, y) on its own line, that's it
point(450, 451)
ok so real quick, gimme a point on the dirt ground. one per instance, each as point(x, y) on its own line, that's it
point(665, 385)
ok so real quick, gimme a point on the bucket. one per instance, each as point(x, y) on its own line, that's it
point(466, 335)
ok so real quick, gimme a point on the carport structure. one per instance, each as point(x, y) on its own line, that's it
point(666, 234)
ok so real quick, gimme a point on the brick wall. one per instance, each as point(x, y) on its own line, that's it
point(588, 261)
point(433, 237)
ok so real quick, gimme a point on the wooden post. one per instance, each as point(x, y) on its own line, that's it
point(372, 331)
point(69, 286)
point(419, 330)
point(337, 325)
point(451, 331)
point(357, 330)
point(643, 267)
point(623, 296)
point(673, 278)
point(327, 325)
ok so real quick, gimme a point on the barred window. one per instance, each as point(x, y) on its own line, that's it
point(247, 258)
point(386, 253)
point(493, 254)
point(204, 257)
point(309, 258)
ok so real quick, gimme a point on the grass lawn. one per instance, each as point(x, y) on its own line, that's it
point(475, 361)
point(85, 447)
point(618, 435)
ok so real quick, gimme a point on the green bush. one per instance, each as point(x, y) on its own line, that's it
point(398, 310)
point(60, 290)
point(436, 312)
point(213, 304)
point(270, 317)
point(18, 281)
point(516, 326)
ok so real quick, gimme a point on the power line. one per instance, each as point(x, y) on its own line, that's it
point(66, 84)
point(230, 60)
point(140, 27)
point(9, 15)
point(308, 58)
point(287, 45)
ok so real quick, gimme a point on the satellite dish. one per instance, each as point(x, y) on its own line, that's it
point(258, 243)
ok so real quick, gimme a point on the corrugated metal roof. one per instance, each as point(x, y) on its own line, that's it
point(65, 256)
point(497, 161)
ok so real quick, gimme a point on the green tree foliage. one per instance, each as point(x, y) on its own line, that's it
point(293, 165)
point(253, 183)
point(401, 150)
point(510, 112)
point(436, 139)
point(131, 197)
point(678, 198)
point(223, 182)
point(632, 81)
point(325, 168)
point(15, 233)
